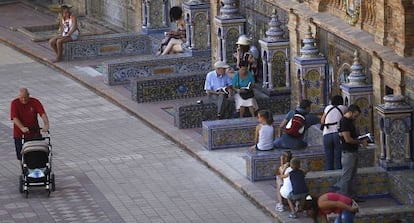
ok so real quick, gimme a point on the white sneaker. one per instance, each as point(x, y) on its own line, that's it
point(279, 207)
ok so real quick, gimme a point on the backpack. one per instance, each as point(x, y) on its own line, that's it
point(296, 125)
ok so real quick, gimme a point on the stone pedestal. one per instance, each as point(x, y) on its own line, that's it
point(311, 73)
point(155, 16)
point(396, 134)
point(197, 16)
point(275, 58)
point(229, 26)
point(357, 91)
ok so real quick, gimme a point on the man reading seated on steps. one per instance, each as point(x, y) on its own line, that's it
point(219, 90)
point(293, 127)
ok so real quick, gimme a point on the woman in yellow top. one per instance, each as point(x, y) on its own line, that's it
point(68, 31)
point(172, 43)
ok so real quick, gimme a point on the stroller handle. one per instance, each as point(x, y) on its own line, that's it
point(43, 135)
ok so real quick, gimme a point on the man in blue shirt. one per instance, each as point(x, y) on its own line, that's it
point(218, 88)
point(286, 141)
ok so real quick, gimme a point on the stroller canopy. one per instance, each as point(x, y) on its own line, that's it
point(35, 146)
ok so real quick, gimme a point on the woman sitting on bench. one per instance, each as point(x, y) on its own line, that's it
point(68, 31)
point(172, 43)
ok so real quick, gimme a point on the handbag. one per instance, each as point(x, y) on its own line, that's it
point(247, 93)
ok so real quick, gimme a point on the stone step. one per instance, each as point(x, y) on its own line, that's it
point(387, 200)
point(386, 214)
point(371, 181)
point(262, 165)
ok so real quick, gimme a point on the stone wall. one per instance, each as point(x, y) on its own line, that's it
point(389, 21)
point(122, 13)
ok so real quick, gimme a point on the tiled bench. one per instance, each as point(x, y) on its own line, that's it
point(262, 165)
point(230, 133)
point(109, 45)
point(162, 88)
point(121, 71)
point(191, 114)
point(188, 115)
point(371, 181)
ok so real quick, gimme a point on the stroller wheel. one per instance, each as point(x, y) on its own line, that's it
point(52, 181)
point(21, 184)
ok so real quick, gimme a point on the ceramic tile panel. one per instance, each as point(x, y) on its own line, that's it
point(151, 89)
point(230, 133)
point(191, 115)
point(92, 47)
point(262, 165)
point(118, 72)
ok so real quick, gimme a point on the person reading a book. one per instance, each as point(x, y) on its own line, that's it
point(219, 90)
point(349, 145)
point(243, 84)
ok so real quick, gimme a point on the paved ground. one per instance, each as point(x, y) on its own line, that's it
point(109, 165)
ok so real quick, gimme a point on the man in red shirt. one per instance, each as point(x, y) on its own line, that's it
point(23, 113)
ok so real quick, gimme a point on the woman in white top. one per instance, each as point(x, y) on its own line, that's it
point(331, 116)
point(68, 31)
point(264, 134)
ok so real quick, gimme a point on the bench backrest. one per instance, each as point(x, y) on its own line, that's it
point(121, 72)
point(156, 88)
point(120, 44)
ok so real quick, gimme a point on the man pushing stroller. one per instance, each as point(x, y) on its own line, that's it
point(23, 112)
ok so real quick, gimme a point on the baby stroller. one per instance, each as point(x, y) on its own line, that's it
point(37, 165)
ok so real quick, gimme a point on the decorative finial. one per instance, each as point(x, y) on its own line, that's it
point(229, 9)
point(274, 33)
point(356, 77)
point(309, 49)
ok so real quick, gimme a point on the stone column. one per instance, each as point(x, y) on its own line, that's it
point(358, 92)
point(155, 16)
point(396, 134)
point(229, 26)
point(275, 57)
point(311, 68)
point(197, 16)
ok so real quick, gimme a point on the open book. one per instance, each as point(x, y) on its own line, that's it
point(223, 89)
point(368, 136)
point(247, 87)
